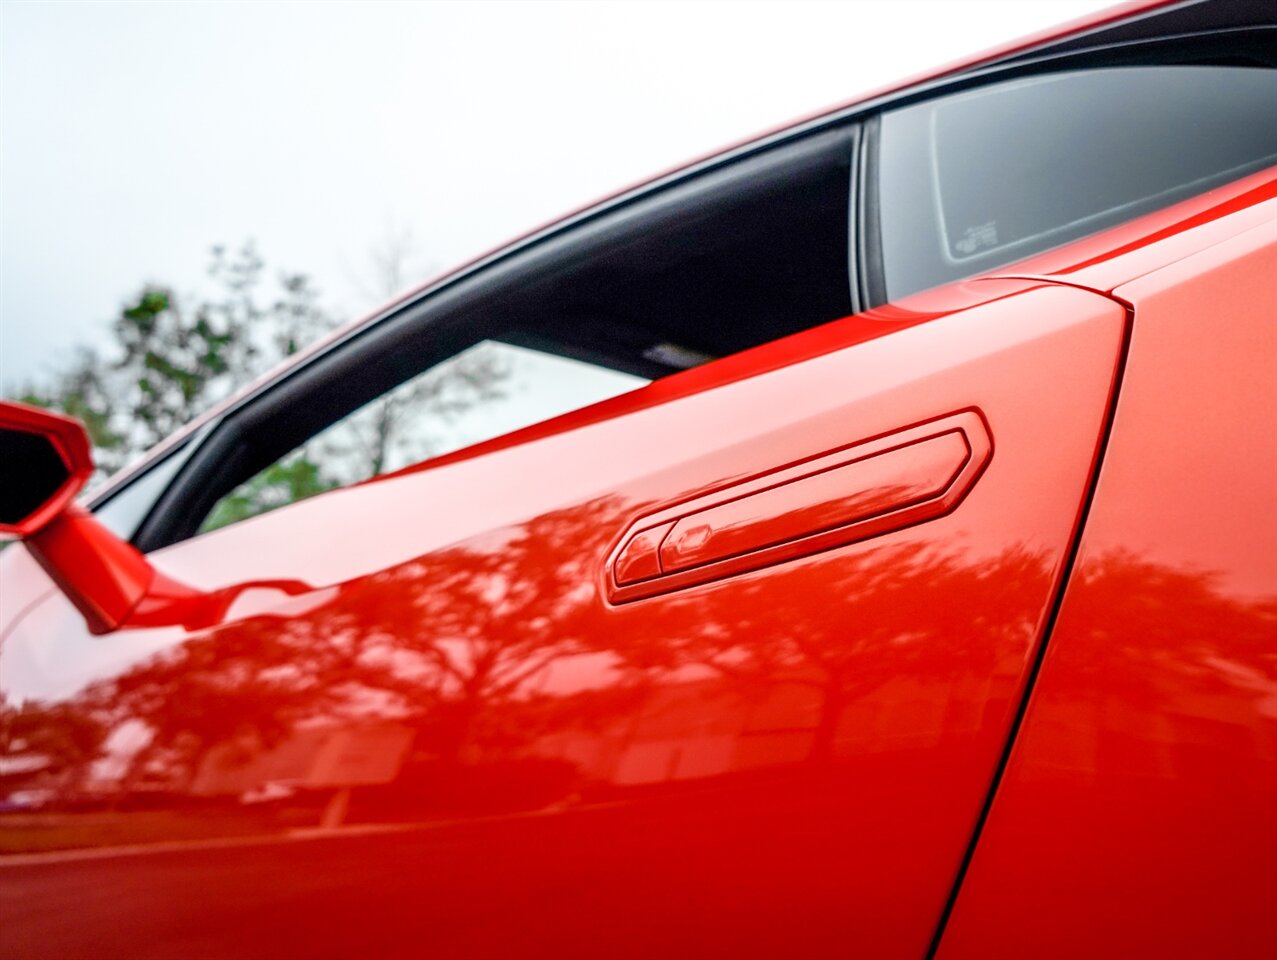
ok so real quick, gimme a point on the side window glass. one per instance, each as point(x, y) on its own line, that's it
point(989, 176)
point(725, 260)
point(126, 510)
point(488, 390)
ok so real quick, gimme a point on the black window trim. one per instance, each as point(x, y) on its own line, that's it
point(870, 270)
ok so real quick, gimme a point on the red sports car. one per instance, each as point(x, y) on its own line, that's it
point(869, 549)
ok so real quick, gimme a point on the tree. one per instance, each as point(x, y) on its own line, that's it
point(280, 484)
point(173, 362)
point(387, 433)
point(175, 356)
point(399, 428)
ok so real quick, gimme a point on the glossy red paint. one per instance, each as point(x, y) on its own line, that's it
point(71, 444)
point(474, 751)
point(447, 713)
point(1138, 813)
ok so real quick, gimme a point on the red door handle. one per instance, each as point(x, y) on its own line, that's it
point(855, 493)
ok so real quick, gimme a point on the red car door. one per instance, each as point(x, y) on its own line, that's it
point(724, 665)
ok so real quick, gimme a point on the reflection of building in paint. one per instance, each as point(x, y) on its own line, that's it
point(702, 729)
point(693, 730)
point(347, 756)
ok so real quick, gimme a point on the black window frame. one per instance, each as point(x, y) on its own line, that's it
point(454, 317)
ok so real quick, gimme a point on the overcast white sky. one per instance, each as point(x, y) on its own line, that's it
point(133, 136)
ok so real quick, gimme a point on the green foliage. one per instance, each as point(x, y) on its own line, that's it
point(291, 479)
point(172, 359)
point(175, 356)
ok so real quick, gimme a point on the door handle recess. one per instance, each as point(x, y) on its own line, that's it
point(867, 490)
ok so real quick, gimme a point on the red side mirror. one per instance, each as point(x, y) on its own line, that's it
point(46, 462)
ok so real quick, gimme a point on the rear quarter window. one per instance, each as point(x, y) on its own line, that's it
point(973, 181)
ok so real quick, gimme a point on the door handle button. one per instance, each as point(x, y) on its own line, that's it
point(640, 559)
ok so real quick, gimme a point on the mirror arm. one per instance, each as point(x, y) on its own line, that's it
point(110, 582)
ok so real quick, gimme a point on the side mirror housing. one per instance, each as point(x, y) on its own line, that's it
point(46, 461)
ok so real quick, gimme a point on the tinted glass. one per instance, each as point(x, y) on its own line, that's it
point(486, 391)
point(980, 179)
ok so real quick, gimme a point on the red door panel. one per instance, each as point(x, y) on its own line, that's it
point(424, 728)
point(1138, 813)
